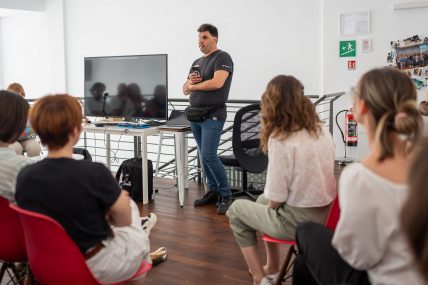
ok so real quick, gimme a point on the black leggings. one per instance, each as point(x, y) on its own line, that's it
point(318, 262)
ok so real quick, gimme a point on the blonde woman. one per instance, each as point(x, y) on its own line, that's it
point(368, 246)
point(300, 183)
point(27, 140)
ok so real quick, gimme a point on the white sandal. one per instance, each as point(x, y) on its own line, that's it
point(265, 281)
point(271, 277)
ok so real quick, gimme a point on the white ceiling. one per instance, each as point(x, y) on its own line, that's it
point(11, 12)
point(19, 7)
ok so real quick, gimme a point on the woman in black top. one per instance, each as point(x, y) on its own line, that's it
point(82, 196)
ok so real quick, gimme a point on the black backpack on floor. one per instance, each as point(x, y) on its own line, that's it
point(129, 177)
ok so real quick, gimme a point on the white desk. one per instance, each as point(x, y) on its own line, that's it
point(181, 157)
point(180, 151)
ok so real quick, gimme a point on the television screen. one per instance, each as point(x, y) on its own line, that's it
point(126, 86)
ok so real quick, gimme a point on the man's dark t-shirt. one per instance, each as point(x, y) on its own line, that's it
point(218, 60)
point(77, 194)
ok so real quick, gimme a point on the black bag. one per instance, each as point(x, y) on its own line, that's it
point(199, 114)
point(129, 177)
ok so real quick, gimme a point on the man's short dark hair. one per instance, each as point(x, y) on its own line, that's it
point(13, 116)
point(209, 28)
point(98, 85)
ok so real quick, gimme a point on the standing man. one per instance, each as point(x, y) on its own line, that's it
point(208, 84)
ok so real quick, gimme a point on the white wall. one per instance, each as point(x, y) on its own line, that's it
point(25, 53)
point(386, 25)
point(33, 50)
point(45, 50)
point(1, 57)
point(264, 38)
point(56, 46)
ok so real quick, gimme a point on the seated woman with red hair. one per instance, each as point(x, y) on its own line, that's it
point(82, 196)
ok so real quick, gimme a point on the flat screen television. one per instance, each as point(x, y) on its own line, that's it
point(127, 86)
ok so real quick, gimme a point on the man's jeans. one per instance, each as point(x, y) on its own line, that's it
point(207, 135)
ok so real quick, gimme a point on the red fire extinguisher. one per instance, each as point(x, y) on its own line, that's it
point(350, 137)
point(351, 129)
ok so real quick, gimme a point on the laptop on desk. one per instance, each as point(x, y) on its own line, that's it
point(177, 119)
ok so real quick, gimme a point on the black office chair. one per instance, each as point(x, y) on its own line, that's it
point(83, 151)
point(247, 155)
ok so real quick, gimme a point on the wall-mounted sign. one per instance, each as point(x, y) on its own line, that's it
point(354, 23)
point(366, 45)
point(352, 64)
point(348, 48)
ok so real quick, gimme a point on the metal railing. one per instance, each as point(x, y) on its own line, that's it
point(125, 147)
point(327, 101)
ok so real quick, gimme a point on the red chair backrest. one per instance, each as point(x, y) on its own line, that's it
point(12, 242)
point(54, 257)
point(333, 215)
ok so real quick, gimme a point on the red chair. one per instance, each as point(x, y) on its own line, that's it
point(331, 222)
point(54, 257)
point(12, 243)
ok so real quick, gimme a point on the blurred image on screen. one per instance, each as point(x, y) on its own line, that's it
point(126, 86)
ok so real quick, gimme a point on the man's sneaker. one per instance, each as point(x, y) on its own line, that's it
point(148, 222)
point(219, 199)
point(158, 256)
point(209, 198)
point(224, 205)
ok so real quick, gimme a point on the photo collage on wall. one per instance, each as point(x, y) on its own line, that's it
point(411, 56)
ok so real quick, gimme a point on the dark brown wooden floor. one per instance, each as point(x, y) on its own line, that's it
point(201, 247)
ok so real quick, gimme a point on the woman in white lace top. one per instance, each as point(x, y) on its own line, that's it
point(300, 183)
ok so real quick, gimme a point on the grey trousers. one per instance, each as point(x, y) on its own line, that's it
point(247, 217)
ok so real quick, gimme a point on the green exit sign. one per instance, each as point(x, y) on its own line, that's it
point(348, 48)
